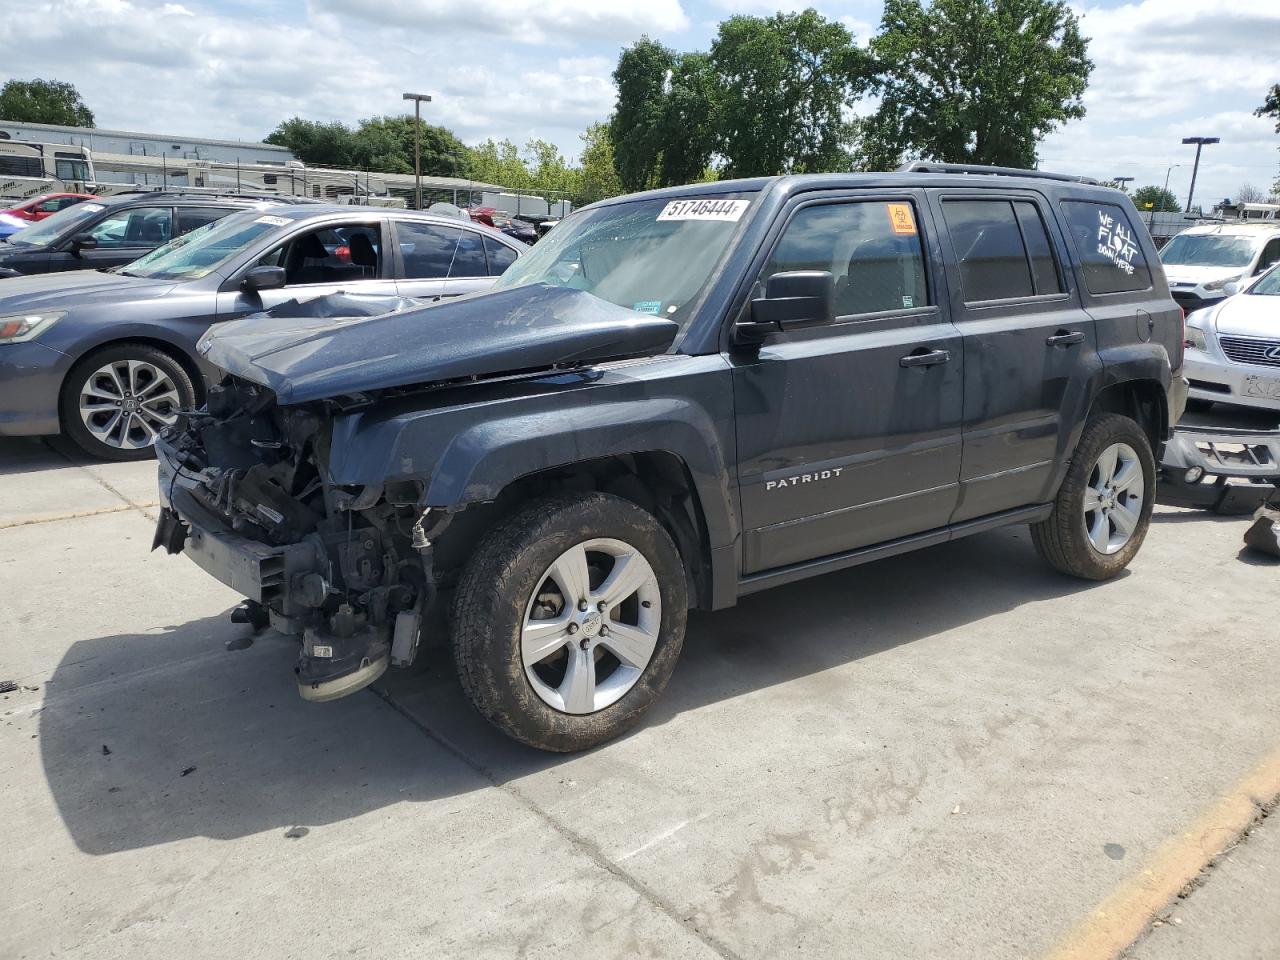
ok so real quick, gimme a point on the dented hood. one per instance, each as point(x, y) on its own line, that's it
point(509, 331)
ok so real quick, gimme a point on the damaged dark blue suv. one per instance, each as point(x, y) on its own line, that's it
point(676, 399)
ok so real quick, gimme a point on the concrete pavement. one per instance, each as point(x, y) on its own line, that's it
point(955, 753)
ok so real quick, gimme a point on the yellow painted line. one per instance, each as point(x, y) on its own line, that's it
point(5, 525)
point(1128, 911)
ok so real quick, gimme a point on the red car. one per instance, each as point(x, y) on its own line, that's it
point(37, 208)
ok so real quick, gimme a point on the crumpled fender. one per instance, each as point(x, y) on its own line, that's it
point(467, 453)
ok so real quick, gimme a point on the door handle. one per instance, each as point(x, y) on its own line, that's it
point(925, 359)
point(1066, 338)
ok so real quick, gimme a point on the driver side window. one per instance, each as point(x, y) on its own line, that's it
point(1270, 255)
point(332, 254)
point(871, 247)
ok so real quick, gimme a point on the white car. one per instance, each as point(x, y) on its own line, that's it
point(1233, 348)
point(1201, 261)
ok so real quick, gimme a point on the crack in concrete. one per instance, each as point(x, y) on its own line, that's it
point(576, 840)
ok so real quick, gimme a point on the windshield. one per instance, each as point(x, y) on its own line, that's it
point(651, 256)
point(55, 226)
point(1268, 286)
point(198, 253)
point(1208, 250)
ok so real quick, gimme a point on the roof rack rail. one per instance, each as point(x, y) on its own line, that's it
point(925, 166)
point(213, 194)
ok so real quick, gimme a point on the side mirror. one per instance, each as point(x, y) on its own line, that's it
point(1231, 288)
point(263, 278)
point(799, 298)
point(83, 241)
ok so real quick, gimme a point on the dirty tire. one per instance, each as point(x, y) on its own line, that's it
point(496, 589)
point(73, 426)
point(1062, 539)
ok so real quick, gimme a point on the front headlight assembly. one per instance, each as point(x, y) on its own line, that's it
point(22, 327)
point(1196, 339)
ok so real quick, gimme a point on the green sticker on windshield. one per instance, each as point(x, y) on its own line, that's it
point(647, 306)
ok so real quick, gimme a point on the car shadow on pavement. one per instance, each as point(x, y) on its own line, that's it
point(155, 737)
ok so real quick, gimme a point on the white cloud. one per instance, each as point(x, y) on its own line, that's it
point(1168, 69)
point(544, 21)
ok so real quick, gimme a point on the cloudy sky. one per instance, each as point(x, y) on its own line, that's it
point(540, 68)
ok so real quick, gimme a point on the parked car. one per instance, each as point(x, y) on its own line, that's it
point(114, 231)
point(514, 227)
point(1202, 260)
point(11, 225)
point(1233, 348)
point(45, 205)
point(676, 399)
point(109, 358)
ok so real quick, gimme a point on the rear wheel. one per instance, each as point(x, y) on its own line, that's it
point(1103, 509)
point(116, 400)
point(569, 620)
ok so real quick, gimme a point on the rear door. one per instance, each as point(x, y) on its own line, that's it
point(1030, 352)
point(443, 260)
point(849, 435)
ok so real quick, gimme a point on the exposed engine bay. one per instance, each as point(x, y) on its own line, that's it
point(348, 570)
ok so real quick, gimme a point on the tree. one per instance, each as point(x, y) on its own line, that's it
point(1248, 193)
point(783, 85)
point(310, 141)
point(497, 162)
point(387, 143)
point(598, 178)
point(1271, 106)
point(44, 101)
point(977, 81)
point(637, 126)
point(1161, 200)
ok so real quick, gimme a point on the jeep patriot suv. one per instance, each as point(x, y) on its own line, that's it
point(678, 398)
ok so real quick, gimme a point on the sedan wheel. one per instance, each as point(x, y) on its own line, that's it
point(126, 403)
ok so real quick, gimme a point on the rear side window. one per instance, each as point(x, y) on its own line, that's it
point(500, 256)
point(427, 249)
point(468, 260)
point(1107, 245)
point(1002, 248)
point(872, 248)
point(191, 217)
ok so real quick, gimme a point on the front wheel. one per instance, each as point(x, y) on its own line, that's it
point(1103, 509)
point(116, 400)
point(569, 619)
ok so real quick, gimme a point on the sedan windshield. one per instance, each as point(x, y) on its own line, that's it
point(198, 253)
point(1268, 286)
point(651, 256)
point(55, 226)
point(1208, 250)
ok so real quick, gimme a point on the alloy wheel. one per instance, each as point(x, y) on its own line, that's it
point(591, 627)
point(1113, 499)
point(125, 403)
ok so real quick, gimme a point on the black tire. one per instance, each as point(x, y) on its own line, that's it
point(74, 428)
point(1197, 405)
point(497, 587)
point(1062, 539)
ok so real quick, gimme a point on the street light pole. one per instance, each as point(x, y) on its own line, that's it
point(1200, 142)
point(1122, 181)
point(417, 99)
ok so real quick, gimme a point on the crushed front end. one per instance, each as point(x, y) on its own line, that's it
point(245, 493)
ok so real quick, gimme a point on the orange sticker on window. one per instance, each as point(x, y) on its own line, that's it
point(901, 218)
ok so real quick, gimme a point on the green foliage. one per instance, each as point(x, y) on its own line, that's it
point(384, 144)
point(44, 101)
point(976, 81)
point(639, 124)
point(314, 142)
point(781, 86)
point(1271, 106)
point(598, 178)
point(1162, 200)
